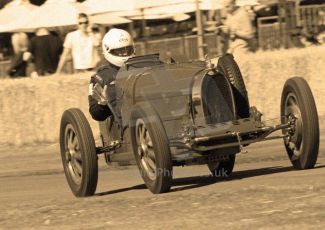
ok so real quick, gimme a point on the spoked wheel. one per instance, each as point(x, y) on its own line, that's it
point(145, 149)
point(73, 158)
point(222, 169)
point(151, 149)
point(78, 153)
point(298, 105)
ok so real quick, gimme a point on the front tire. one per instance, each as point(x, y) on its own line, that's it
point(228, 66)
point(151, 148)
point(302, 145)
point(78, 153)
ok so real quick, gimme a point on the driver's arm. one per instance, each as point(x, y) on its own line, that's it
point(98, 111)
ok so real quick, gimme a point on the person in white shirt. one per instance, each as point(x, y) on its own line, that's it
point(239, 27)
point(82, 44)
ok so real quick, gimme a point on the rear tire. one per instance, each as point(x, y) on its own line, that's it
point(303, 143)
point(222, 169)
point(228, 66)
point(78, 153)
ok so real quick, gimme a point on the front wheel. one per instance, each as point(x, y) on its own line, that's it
point(302, 141)
point(78, 153)
point(228, 66)
point(151, 148)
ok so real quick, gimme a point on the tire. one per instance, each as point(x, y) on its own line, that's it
point(78, 153)
point(302, 145)
point(222, 169)
point(228, 66)
point(151, 148)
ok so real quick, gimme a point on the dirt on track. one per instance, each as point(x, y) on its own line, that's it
point(267, 195)
point(264, 192)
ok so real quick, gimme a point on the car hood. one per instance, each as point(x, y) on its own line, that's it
point(166, 80)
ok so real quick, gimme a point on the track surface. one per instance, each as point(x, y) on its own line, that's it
point(264, 192)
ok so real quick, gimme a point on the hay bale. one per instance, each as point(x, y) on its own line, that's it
point(31, 109)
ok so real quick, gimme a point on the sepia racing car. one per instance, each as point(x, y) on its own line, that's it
point(174, 114)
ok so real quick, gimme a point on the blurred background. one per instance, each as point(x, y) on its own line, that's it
point(182, 28)
point(286, 39)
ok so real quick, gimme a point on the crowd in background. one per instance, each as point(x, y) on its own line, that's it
point(45, 53)
point(43, 50)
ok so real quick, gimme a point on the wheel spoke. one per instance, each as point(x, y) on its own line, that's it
point(142, 135)
point(145, 149)
point(76, 176)
point(151, 164)
point(138, 138)
point(73, 155)
point(151, 155)
point(70, 139)
point(75, 143)
point(149, 141)
point(139, 132)
point(77, 155)
point(140, 151)
point(77, 167)
point(144, 164)
point(71, 171)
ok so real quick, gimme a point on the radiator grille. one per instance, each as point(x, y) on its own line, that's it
point(217, 99)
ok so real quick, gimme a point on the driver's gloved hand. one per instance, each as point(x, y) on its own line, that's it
point(98, 93)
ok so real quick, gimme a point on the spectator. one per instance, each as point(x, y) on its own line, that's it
point(95, 29)
point(82, 44)
point(239, 27)
point(46, 49)
point(19, 42)
point(18, 64)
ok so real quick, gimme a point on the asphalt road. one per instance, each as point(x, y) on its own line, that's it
point(264, 192)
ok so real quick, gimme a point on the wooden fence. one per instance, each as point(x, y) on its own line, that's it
point(180, 47)
point(312, 18)
point(293, 21)
point(269, 33)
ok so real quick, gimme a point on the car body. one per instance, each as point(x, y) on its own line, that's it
point(190, 99)
point(168, 114)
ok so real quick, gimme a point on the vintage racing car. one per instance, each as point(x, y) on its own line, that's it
point(175, 114)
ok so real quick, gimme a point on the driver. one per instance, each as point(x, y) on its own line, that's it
point(117, 47)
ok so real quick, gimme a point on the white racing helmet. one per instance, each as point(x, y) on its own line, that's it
point(117, 46)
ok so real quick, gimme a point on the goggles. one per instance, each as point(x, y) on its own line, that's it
point(123, 52)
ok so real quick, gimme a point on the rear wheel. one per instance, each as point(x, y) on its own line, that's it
point(78, 153)
point(222, 169)
point(302, 143)
point(228, 66)
point(151, 149)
